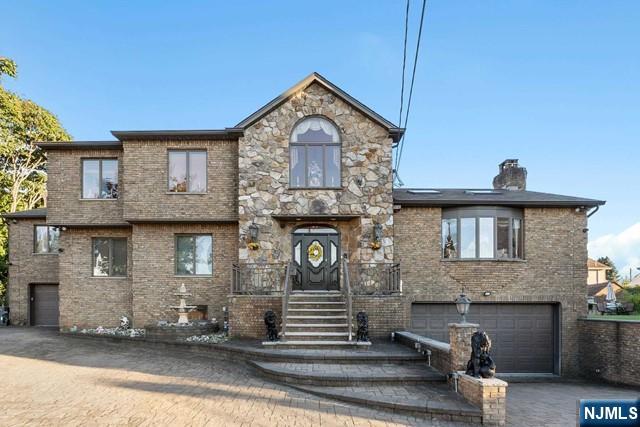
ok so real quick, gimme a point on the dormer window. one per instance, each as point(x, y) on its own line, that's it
point(315, 154)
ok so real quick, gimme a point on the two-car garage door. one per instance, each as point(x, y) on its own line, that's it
point(523, 336)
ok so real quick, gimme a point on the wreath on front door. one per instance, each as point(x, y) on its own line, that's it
point(314, 252)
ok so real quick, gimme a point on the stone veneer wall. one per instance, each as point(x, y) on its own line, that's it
point(64, 190)
point(246, 314)
point(610, 350)
point(264, 178)
point(554, 270)
point(146, 194)
point(155, 280)
point(26, 267)
point(87, 301)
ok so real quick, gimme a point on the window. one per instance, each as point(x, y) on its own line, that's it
point(188, 171)
point(99, 178)
point(482, 233)
point(194, 255)
point(315, 159)
point(109, 257)
point(45, 239)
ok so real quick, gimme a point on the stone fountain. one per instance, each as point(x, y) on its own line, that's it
point(171, 332)
point(182, 308)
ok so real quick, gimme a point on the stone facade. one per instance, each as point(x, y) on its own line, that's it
point(26, 268)
point(264, 178)
point(610, 351)
point(146, 196)
point(554, 269)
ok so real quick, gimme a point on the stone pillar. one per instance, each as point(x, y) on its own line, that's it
point(488, 394)
point(460, 340)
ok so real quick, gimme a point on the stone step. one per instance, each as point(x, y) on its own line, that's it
point(316, 319)
point(343, 375)
point(321, 303)
point(315, 296)
point(317, 325)
point(296, 293)
point(317, 310)
point(433, 401)
point(312, 335)
point(317, 345)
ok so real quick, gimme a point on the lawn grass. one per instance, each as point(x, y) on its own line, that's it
point(635, 316)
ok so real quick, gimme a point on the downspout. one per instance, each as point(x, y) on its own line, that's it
point(594, 211)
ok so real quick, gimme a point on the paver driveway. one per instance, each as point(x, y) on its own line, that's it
point(55, 380)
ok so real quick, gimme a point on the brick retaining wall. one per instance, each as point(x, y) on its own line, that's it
point(610, 350)
point(246, 314)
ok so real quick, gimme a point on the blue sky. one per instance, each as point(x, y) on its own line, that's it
point(555, 84)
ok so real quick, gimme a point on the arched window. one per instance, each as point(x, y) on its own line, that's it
point(315, 154)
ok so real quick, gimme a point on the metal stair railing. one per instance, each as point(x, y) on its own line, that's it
point(285, 299)
point(346, 290)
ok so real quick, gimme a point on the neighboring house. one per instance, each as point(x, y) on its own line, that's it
point(303, 182)
point(597, 272)
point(598, 292)
point(634, 282)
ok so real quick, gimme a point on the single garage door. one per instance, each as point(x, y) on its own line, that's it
point(523, 336)
point(44, 305)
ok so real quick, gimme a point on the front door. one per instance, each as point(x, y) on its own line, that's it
point(316, 258)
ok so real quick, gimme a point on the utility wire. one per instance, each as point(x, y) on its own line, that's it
point(413, 77)
point(404, 62)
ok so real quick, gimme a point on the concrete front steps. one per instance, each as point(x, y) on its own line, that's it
point(328, 374)
point(317, 320)
point(389, 377)
point(435, 401)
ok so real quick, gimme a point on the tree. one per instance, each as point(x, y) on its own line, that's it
point(612, 275)
point(22, 164)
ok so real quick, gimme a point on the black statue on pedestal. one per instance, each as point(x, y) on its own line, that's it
point(270, 320)
point(481, 364)
point(363, 326)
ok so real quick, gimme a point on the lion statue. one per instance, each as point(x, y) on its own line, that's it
point(270, 320)
point(481, 364)
point(363, 326)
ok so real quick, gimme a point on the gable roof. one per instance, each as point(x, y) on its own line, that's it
point(486, 197)
point(596, 265)
point(394, 131)
point(601, 289)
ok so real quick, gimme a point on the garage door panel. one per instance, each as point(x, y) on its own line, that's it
point(522, 334)
point(44, 305)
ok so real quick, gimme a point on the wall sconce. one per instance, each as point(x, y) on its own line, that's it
point(253, 237)
point(376, 243)
point(64, 228)
point(462, 305)
point(487, 293)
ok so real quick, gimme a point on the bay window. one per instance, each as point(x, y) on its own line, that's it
point(482, 233)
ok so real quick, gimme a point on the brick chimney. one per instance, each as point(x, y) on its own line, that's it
point(512, 177)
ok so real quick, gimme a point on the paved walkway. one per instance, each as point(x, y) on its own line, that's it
point(52, 380)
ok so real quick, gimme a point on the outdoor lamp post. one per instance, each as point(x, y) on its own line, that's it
point(462, 305)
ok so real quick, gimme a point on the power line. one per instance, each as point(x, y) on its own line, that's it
point(413, 77)
point(404, 62)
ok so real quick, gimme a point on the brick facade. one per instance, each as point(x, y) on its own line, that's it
point(87, 301)
point(610, 350)
point(246, 314)
point(64, 190)
point(554, 269)
point(155, 279)
point(146, 196)
point(26, 268)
